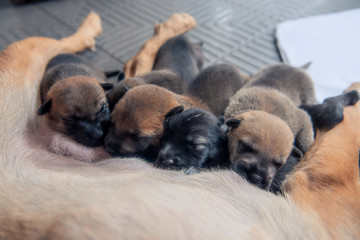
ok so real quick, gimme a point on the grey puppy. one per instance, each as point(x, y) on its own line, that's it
point(216, 84)
point(181, 57)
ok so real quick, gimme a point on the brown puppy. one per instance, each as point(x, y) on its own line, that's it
point(137, 120)
point(327, 178)
point(162, 78)
point(292, 81)
point(264, 126)
point(181, 57)
point(215, 85)
point(47, 196)
point(73, 98)
point(144, 60)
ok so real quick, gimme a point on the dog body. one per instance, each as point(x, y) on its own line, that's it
point(48, 196)
point(137, 119)
point(294, 82)
point(215, 85)
point(162, 78)
point(194, 139)
point(265, 124)
point(181, 57)
point(73, 99)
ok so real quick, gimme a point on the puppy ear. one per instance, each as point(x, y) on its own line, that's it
point(45, 108)
point(107, 86)
point(174, 111)
point(233, 122)
point(224, 129)
point(297, 153)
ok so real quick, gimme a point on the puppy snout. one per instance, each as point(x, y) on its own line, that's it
point(97, 133)
point(256, 178)
point(238, 169)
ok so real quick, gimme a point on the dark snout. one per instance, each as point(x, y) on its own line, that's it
point(168, 160)
point(252, 175)
point(111, 144)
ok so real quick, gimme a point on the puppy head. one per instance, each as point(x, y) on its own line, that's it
point(191, 138)
point(259, 144)
point(77, 107)
point(137, 121)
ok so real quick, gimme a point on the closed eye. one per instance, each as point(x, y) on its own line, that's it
point(244, 147)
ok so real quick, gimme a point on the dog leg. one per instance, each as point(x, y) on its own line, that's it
point(326, 181)
point(143, 61)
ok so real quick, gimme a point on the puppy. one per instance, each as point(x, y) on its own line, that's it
point(73, 99)
point(294, 82)
point(137, 120)
point(215, 85)
point(193, 139)
point(324, 117)
point(144, 60)
point(181, 57)
point(162, 78)
point(264, 126)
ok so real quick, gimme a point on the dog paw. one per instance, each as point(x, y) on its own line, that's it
point(178, 23)
point(90, 28)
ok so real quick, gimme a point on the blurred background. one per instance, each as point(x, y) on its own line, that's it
point(240, 32)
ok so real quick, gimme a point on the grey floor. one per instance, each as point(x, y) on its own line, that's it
point(236, 31)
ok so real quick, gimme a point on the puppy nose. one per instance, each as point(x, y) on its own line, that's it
point(97, 133)
point(256, 178)
point(164, 158)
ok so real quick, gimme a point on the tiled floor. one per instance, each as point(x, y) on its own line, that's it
point(236, 31)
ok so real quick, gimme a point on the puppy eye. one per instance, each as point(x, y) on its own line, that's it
point(277, 165)
point(103, 108)
point(198, 146)
point(244, 147)
point(70, 120)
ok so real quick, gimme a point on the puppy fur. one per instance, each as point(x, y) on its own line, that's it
point(73, 99)
point(216, 84)
point(47, 196)
point(265, 124)
point(181, 57)
point(137, 120)
point(194, 138)
point(162, 78)
point(292, 81)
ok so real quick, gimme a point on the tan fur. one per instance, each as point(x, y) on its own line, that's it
point(143, 61)
point(47, 196)
point(327, 179)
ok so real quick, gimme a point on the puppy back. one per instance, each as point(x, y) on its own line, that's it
point(292, 81)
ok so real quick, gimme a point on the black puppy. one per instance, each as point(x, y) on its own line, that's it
point(181, 57)
point(324, 116)
point(193, 139)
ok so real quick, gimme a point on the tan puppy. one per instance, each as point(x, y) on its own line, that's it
point(162, 78)
point(137, 120)
point(47, 196)
point(294, 82)
point(73, 99)
point(265, 124)
point(327, 178)
point(144, 60)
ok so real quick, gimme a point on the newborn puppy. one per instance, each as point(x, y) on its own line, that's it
point(73, 99)
point(193, 139)
point(215, 85)
point(292, 81)
point(181, 57)
point(137, 120)
point(162, 78)
point(264, 126)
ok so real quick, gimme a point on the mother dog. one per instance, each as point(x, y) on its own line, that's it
point(47, 196)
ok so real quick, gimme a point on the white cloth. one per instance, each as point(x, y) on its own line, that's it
point(331, 42)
